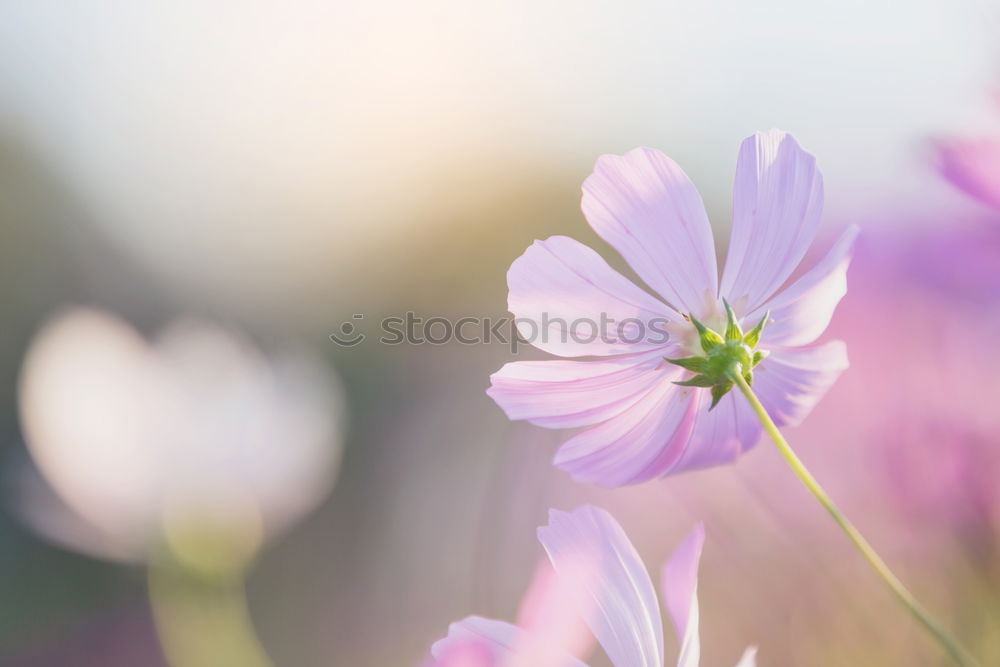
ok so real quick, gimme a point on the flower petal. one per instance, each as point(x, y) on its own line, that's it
point(974, 167)
point(475, 642)
point(627, 623)
point(679, 584)
point(553, 615)
point(463, 653)
point(560, 393)
point(641, 443)
point(721, 434)
point(749, 658)
point(791, 381)
point(801, 313)
point(646, 207)
point(568, 301)
point(482, 642)
point(777, 201)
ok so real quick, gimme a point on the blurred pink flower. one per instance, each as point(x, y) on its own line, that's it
point(944, 471)
point(972, 165)
point(931, 439)
point(592, 555)
point(196, 431)
point(640, 425)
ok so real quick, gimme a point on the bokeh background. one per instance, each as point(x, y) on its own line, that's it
point(282, 167)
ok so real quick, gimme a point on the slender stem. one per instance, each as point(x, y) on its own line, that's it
point(954, 649)
point(203, 621)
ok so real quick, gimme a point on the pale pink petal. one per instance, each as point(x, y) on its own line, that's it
point(553, 615)
point(464, 653)
point(568, 394)
point(641, 443)
point(721, 434)
point(791, 381)
point(483, 642)
point(749, 658)
point(646, 207)
point(627, 621)
point(569, 302)
point(801, 312)
point(973, 166)
point(777, 201)
point(475, 642)
point(679, 584)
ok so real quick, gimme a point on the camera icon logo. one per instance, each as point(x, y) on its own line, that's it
point(348, 336)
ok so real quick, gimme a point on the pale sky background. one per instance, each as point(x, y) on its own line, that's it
point(231, 139)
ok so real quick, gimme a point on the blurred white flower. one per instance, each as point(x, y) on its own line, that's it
point(196, 437)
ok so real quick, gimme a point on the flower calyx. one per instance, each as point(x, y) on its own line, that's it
point(725, 355)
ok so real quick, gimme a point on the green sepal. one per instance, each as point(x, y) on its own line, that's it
point(753, 337)
point(698, 381)
point(718, 391)
point(724, 357)
point(708, 338)
point(693, 364)
point(733, 330)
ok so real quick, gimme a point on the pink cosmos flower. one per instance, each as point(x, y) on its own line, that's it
point(973, 166)
point(592, 555)
point(637, 423)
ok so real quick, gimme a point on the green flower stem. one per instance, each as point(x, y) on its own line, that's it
point(203, 620)
point(954, 649)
